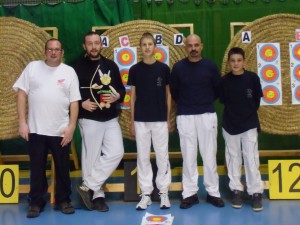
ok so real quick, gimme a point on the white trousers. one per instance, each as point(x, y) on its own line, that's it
point(158, 132)
point(193, 130)
point(102, 151)
point(244, 146)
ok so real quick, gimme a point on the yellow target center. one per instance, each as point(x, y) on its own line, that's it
point(269, 73)
point(127, 98)
point(157, 56)
point(125, 77)
point(270, 94)
point(269, 53)
point(125, 57)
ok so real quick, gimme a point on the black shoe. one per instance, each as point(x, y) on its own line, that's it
point(189, 202)
point(100, 205)
point(237, 199)
point(256, 202)
point(65, 207)
point(215, 201)
point(34, 210)
point(85, 194)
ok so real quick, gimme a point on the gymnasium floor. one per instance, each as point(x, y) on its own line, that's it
point(276, 212)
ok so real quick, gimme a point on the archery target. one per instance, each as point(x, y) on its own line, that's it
point(158, 219)
point(127, 99)
point(125, 56)
point(296, 72)
point(297, 93)
point(124, 75)
point(296, 51)
point(271, 94)
point(268, 52)
point(269, 73)
point(161, 54)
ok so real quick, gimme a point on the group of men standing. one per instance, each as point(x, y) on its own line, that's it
point(91, 92)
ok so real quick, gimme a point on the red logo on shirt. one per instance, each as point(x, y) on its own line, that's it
point(61, 81)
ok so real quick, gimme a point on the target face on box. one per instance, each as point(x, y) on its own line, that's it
point(271, 94)
point(296, 52)
point(297, 93)
point(268, 52)
point(296, 72)
point(125, 57)
point(126, 103)
point(124, 75)
point(158, 219)
point(161, 54)
point(269, 73)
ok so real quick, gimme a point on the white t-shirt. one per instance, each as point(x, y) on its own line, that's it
point(50, 91)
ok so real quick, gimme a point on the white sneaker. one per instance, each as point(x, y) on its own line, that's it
point(144, 202)
point(164, 201)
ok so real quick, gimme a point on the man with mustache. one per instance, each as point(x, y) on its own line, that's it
point(194, 87)
point(102, 92)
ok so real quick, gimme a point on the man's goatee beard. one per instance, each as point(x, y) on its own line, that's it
point(94, 56)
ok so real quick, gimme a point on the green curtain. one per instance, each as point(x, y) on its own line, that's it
point(73, 20)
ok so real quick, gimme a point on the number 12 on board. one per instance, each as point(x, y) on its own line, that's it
point(284, 179)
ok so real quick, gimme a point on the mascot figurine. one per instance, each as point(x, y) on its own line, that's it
point(104, 88)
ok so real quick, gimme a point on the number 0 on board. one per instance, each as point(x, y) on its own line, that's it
point(9, 183)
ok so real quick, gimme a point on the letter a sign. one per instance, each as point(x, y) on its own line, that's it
point(246, 37)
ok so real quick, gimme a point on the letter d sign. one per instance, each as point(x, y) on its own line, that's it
point(178, 39)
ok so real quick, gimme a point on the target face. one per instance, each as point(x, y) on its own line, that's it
point(296, 72)
point(125, 57)
point(271, 94)
point(126, 102)
point(297, 93)
point(268, 52)
point(296, 52)
point(124, 75)
point(269, 73)
point(157, 219)
point(160, 54)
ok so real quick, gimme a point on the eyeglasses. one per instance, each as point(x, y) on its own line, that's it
point(53, 50)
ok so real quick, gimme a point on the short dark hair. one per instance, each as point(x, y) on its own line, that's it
point(90, 33)
point(148, 35)
point(236, 50)
point(53, 39)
